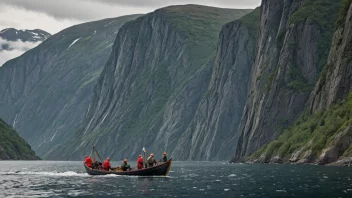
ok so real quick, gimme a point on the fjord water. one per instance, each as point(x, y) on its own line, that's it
point(195, 179)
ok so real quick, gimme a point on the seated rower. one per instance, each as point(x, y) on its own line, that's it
point(107, 165)
point(164, 159)
point(151, 161)
point(89, 161)
point(97, 165)
point(125, 166)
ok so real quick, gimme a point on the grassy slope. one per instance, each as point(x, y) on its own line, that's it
point(311, 132)
point(12, 146)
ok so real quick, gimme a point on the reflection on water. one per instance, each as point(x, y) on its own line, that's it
point(195, 179)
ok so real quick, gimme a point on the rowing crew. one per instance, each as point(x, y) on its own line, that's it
point(124, 166)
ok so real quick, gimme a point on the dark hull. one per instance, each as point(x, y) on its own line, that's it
point(158, 170)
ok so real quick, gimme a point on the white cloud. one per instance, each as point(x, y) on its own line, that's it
point(16, 48)
point(6, 55)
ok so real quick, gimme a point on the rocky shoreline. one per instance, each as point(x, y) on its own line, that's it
point(346, 161)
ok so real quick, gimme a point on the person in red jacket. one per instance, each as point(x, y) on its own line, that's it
point(89, 161)
point(107, 165)
point(140, 162)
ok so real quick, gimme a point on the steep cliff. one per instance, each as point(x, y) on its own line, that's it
point(335, 82)
point(210, 135)
point(12, 146)
point(45, 92)
point(151, 86)
point(293, 46)
point(323, 135)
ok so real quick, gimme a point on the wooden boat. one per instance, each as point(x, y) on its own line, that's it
point(157, 170)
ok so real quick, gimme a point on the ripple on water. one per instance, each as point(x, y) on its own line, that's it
point(280, 191)
point(189, 175)
point(58, 179)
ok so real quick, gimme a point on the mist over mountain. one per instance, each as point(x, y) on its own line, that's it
point(15, 42)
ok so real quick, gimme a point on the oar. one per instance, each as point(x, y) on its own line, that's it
point(144, 162)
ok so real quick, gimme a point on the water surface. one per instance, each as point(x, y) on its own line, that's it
point(194, 179)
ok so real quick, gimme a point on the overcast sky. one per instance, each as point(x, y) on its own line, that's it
point(55, 15)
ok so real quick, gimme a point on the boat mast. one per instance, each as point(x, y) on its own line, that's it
point(95, 151)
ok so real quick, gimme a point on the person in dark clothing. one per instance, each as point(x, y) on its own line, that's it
point(97, 165)
point(164, 159)
point(125, 166)
point(151, 161)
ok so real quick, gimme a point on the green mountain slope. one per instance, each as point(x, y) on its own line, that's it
point(12, 146)
point(320, 138)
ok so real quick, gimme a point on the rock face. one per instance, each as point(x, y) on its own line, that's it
point(341, 142)
point(45, 92)
point(335, 82)
point(294, 40)
point(210, 135)
point(323, 135)
point(12, 146)
point(154, 81)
